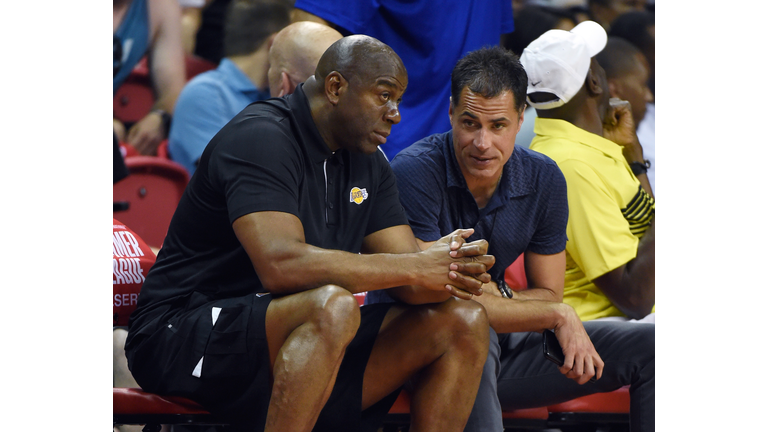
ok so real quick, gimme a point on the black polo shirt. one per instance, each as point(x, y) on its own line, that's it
point(270, 157)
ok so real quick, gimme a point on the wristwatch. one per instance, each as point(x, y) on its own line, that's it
point(640, 167)
point(504, 289)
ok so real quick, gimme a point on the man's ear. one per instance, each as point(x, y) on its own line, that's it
point(286, 85)
point(335, 85)
point(593, 84)
point(522, 117)
point(450, 110)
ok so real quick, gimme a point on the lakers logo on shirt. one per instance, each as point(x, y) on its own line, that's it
point(357, 195)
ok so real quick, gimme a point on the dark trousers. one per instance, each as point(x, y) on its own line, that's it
point(516, 374)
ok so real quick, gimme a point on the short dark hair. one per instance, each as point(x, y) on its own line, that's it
point(532, 22)
point(250, 22)
point(618, 58)
point(489, 72)
point(633, 26)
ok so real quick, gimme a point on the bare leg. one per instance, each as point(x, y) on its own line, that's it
point(444, 347)
point(307, 335)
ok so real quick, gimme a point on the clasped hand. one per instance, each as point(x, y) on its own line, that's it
point(466, 264)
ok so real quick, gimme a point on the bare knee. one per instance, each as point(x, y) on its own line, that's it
point(467, 322)
point(335, 312)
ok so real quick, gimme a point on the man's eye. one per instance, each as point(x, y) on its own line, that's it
point(385, 96)
point(469, 123)
point(498, 126)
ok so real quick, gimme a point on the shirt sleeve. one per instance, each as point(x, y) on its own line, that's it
point(550, 234)
point(199, 114)
point(599, 236)
point(258, 166)
point(421, 193)
point(387, 211)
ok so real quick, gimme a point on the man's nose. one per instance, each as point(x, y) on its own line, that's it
point(393, 113)
point(482, 139)
point(648, 95)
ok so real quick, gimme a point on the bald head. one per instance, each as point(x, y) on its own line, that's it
point(359, 56)
point(295, 53)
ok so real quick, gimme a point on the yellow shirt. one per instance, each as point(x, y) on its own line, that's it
point(608, 211)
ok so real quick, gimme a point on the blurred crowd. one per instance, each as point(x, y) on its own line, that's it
point(172, 41)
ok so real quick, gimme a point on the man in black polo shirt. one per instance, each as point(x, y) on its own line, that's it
point(249, 307)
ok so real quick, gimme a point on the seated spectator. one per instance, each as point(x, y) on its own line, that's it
point(212, 98)
point(249, 309)
point(294, 54)
point(610, 256)
point(151, 28)
point(530, 23)
point(639, 28)
point(627, 71)
point(515, 198)
point(131, 260)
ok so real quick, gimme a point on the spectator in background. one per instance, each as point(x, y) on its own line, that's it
point(605, 11)
point(627, 72)
point(639, 28)
point(610, 253)
point(212, 98)
point(294, 54)
point(530, 23)
point(151, 28)
point(429, 36)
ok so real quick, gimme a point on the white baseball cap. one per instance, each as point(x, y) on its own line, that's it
point(558, 61)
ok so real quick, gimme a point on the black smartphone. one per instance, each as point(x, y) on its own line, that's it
point(553, 351)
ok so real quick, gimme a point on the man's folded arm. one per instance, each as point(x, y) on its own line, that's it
point(286, 264)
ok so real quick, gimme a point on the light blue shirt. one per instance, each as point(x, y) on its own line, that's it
point(207, 103)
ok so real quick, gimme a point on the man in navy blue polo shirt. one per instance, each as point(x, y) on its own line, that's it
point(474, 176)
point(249, 308)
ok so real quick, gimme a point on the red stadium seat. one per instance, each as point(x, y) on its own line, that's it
point(151, 192)
point(597, 409)
point(196, 65)
point(360, 298)
point(132, 406)
point(514, 275)
point(162, 150)
point(136, 96)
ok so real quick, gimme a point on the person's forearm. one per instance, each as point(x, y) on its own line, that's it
point(510, 315)
point(634, 154)
point(640, 277)
point(545, 294)
point(305, 267)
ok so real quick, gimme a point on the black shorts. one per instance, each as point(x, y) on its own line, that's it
point(226, 367)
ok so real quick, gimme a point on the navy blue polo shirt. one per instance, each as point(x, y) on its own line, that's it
point(269, 157)
point(528, 210)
